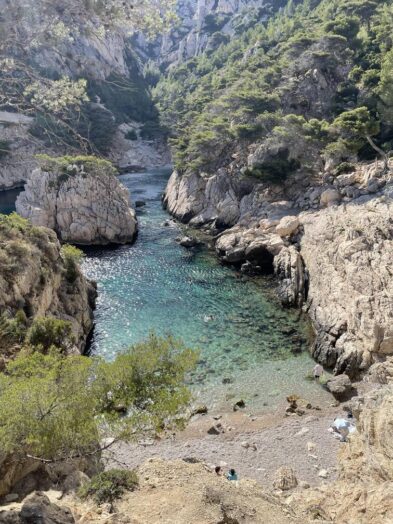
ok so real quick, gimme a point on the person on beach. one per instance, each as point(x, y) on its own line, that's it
point(218, 470)
point(317, 371)
point(232, 475)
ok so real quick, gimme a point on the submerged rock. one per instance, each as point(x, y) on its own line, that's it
point(188, 242)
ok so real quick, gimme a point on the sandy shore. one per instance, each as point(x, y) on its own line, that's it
point(256, 445)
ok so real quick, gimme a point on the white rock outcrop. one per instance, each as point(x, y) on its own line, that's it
point(330, 245)
point(348, 252)
point(83, 208)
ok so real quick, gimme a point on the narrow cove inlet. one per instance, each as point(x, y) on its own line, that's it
point(249, 346)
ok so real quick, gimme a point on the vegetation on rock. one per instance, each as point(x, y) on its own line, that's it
point(69, 165)
point(109, 485)
point(294, 79)
point(56, 408)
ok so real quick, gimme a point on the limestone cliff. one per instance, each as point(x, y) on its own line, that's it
point(56, 42)
point(363, 492)
point(34, 279)
point(82, 207)
point(204, 25)
point(330, 244)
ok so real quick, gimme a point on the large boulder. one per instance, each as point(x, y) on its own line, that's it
point(285, 479)
point(37, 509)
point(290, 271)
point(340, 387)
point(84, 205)
point(201, 199)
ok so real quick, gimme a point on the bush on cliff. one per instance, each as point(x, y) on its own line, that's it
point(56, 408)
point(109, 485)
point(49, 332)
point(72, 257)
point(71, 165)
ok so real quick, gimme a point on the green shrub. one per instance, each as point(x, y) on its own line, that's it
point(344, 167)
point(214, 22)
point(12, 330)
point(109, 485)
point(14, 221)
point(275, 170)
point(70, 165)
point(57, 407)
point(46, 332)
point(72, 256)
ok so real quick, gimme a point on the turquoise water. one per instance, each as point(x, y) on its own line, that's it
point(234, 321)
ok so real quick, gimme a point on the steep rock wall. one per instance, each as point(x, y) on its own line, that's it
point(33, 278)
point(335, 258)
point(82, 208)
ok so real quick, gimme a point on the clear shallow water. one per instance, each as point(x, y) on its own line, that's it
point(241, 331)
point(238, 326)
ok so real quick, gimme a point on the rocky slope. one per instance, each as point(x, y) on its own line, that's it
point(363, 492)
point(34, 279)
point(330, 245)
point(173, 492)
point(204, 25)
point(81, 207)
point(64, 44)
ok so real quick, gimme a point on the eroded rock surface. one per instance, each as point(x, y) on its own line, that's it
point(363, 492)
point(83, 208)
point(329, 242)
point(34, 278)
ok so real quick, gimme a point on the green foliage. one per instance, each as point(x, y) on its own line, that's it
point(72, 256)
point(251, 83)
point(109, 485)
point(70, 165)
point(56, 407)
point(344, 167)
point(214, 22)
point(46, 407)
point(14, 221)
point(275, 170)
point(48, 332)
point(12, 332)
point(357, 123)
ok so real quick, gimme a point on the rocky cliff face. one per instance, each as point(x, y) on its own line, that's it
point(330, 245)
point(82, 208)
point(59, 43)
point(33, 278)
point(16, 150)
point(204, 25)
point(363, 492)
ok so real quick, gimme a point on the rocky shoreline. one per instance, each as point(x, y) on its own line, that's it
point(329, 245)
